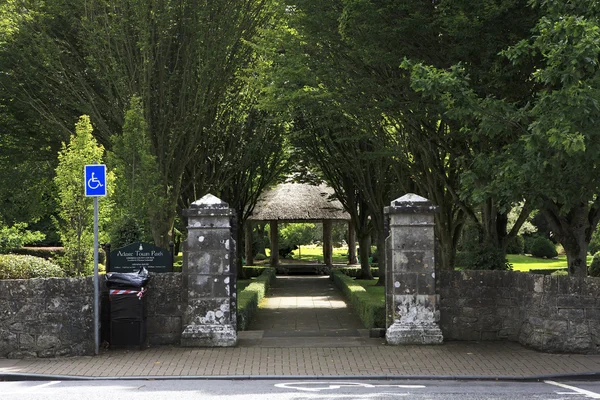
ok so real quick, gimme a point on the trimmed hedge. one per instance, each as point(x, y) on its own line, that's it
point(250, 297)
point(16, 266)
point(370, 310)
point(354, 271)
point(252, 271)
point(43, 252)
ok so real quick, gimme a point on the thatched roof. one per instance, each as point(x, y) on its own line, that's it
point(298, 202)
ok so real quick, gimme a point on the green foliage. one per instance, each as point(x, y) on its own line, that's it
point(543, 247)
point(125, 230)
point(594, 268)
point(260, 257)
point(483, 258)
point(370, 308)
point(14, 266)
point(594, 245)
point(138, 195)
point(354, 272)
point(560, 272)
point(253, 271)
point(250, 297)
point(297, 234)
point(75, 220)
point(42, 252)
point(516, 245)
point(16, 236)
point(293, 235)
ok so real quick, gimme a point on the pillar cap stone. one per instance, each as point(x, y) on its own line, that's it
point(209, 201)
point(410, 203)
point(208, 205)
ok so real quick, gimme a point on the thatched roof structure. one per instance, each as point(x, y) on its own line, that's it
point(298, 202)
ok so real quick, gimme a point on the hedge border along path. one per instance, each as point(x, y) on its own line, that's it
point(250, 297)
point(370, 310)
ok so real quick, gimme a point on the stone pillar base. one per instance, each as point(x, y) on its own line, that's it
point(398, 334)
point(209, 336)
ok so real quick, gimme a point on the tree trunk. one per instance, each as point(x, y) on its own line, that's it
point(573, 231)
point(239, 249)
point(364, 242)
point(576, 251)
point(162, 225)
point(381, 261)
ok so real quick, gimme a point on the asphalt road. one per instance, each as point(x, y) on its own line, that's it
point(297, 390)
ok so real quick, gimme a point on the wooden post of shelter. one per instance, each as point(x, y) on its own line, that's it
point(274, 243)
point(327, 244)
point(248, 239)
point(352, 259)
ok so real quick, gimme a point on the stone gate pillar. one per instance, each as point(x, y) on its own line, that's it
point(209, 276)
point(412, 315)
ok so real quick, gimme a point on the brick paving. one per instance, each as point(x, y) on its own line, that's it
point(294, 335)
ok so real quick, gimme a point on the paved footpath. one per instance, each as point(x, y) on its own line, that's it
point(305, 329)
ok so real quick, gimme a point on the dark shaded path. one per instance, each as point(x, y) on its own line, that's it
point(305, 311)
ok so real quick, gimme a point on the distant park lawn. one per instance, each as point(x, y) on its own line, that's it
point(526, 263)
point(314, 253)
point(520, 262)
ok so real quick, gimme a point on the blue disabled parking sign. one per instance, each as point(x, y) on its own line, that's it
point(95, 180)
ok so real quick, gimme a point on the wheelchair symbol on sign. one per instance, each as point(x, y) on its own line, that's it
point(94, 183)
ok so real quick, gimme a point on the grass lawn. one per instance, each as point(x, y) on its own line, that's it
point(374, 291)
point(520, 262)
point(314, 252)
point(525, 263)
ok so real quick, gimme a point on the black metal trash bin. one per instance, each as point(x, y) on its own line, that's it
point(127, 308)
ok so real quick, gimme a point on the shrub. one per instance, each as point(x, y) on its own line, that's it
point(594, 268)
point(253, 271)
point(516, 245)
point(543, 247)
point(249, 298)
point(16, 266)
point(370, 309)
point(354, 272)
point(48, 253)
point(260, 257)
point(483, 258)
point(16, 236)
point(594, 245)
point(125, 231)
point(560, 272)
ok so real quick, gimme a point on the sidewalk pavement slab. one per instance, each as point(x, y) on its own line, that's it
point(457, 360)
point(305, 329)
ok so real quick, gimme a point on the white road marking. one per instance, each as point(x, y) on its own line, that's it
point(586, 393)
point(338, 385)
point(31, 388)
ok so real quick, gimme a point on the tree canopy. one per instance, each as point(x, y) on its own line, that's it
point(481, 107)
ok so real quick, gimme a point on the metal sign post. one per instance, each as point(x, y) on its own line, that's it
point(95, 186)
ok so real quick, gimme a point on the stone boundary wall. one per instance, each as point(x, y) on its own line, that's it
point(46, 317)
point(547, 313)
point(54, 317)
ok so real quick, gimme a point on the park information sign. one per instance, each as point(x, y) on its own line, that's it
point(137, 255)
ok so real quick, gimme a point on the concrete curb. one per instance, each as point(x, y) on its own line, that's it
point(15, 377)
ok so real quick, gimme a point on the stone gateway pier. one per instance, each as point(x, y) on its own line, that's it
point(412, 315)
point(209, 278)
